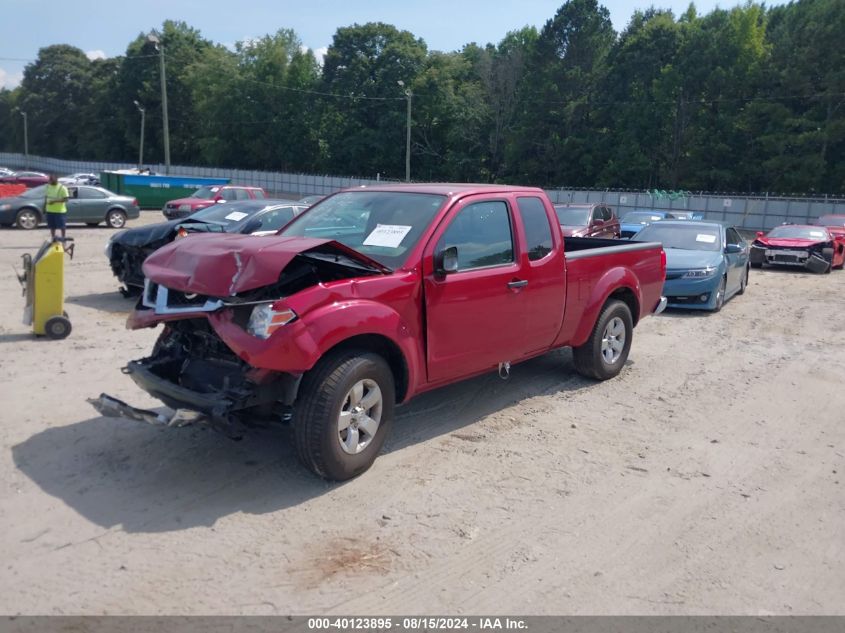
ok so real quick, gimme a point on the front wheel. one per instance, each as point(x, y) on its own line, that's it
point(116, 218)
point(743, 283)
point(720, 294)
point(27, 219)
point(344, 413)
point(605, 352)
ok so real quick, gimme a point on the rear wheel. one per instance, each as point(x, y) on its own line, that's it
point(27, 219)
point(57, 327)
point(344, 413)
point(116, 218)
point(605, 352)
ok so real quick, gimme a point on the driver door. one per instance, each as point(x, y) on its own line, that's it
point(474, 316)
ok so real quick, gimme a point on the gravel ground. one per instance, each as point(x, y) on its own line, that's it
point(706, 479)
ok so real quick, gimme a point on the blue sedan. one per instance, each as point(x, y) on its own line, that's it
point(634, 221)
point(706, 262)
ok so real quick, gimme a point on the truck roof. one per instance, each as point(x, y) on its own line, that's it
point(446, 189)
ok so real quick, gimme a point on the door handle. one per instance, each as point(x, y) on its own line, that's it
point(513, 285)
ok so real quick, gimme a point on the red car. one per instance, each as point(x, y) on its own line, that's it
point(814, 248)
point(27, 178)
point(206, 196)
point(588, 220)
point(371, 297)
point(834, 223)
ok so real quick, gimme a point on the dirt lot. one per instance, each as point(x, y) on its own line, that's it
point(706, 479)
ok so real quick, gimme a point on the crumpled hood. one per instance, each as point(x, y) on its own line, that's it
point(789, 242)
point(223, 265)
point(143, 235)
point(681, 259)
point(569, 231)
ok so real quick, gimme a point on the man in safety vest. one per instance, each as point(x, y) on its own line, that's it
point(55, 207)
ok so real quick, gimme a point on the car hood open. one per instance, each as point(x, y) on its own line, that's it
point(224, 265)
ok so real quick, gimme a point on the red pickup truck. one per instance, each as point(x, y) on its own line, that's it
point(371, 297)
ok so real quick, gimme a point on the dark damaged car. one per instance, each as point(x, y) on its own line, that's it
point(371, 297)
point(128, 249)
point(813, 248)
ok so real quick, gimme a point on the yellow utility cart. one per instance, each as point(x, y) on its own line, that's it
point(43, 282)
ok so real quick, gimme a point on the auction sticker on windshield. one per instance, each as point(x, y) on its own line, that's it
point(236, 216)
point(704, 237)
point(389, 235)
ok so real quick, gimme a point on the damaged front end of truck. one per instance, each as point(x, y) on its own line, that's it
point(220, 359)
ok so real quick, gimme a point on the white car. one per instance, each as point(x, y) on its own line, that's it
point(80, 179)
point(5, 171)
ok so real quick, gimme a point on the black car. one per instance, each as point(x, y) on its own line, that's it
point(128, 249)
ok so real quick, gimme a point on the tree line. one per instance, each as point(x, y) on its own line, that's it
point(745, 99)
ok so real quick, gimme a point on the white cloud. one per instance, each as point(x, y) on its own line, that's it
point(97, 54)
point(9, 80)
point(319, 53)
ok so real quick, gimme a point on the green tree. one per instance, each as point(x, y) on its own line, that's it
point(363, 127)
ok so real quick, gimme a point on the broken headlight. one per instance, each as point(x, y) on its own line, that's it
point(264, 320)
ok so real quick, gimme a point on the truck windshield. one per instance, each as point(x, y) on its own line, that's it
point(384, 225)
point(695, 237)
point(573, 216)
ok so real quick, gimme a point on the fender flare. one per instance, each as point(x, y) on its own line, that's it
point(617, 280)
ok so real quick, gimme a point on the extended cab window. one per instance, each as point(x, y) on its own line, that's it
point(482, 234)
point(538, 231)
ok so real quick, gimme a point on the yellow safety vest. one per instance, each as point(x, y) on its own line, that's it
point(56, 191)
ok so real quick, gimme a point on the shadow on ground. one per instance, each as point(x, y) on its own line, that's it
point(152, 479)
point(106, 301)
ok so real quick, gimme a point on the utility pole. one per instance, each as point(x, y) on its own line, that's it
point(141, 150)
point(152, 37)
point(408, 95)
point(25, 140)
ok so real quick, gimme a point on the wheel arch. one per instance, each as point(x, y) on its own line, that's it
point(384, 347)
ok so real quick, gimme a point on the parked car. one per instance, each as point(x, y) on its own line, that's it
point(91, 205)
point(206, 196)
point(436, 284)
point(128, 249)
point(80, 179)
point(633, 221)
point(833, 223)
point(27, 178)
point(310, 200)
point(814, 248)
point(688, 215)
point(588, 220)
point(706, 262)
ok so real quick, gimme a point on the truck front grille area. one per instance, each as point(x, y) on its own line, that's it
point(165, 300)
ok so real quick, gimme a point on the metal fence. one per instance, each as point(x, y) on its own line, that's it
point(751, 212)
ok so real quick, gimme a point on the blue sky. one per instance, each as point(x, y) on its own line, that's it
point(106, 27)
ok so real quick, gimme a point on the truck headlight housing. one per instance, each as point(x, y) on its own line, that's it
point(700, 273)
point(265, 320)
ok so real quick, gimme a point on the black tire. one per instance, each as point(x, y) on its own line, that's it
point(743, 284)
point(322, 397)
point(722, 290)
point(27, 219)
point(589, 359)
point(115, 219)
point(57, 327)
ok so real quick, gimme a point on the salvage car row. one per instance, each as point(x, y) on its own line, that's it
point(378, 294)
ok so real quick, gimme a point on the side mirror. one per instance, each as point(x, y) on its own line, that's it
point(733, 249)
point(446, 261)
point(760, 234)
point(251, 226)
